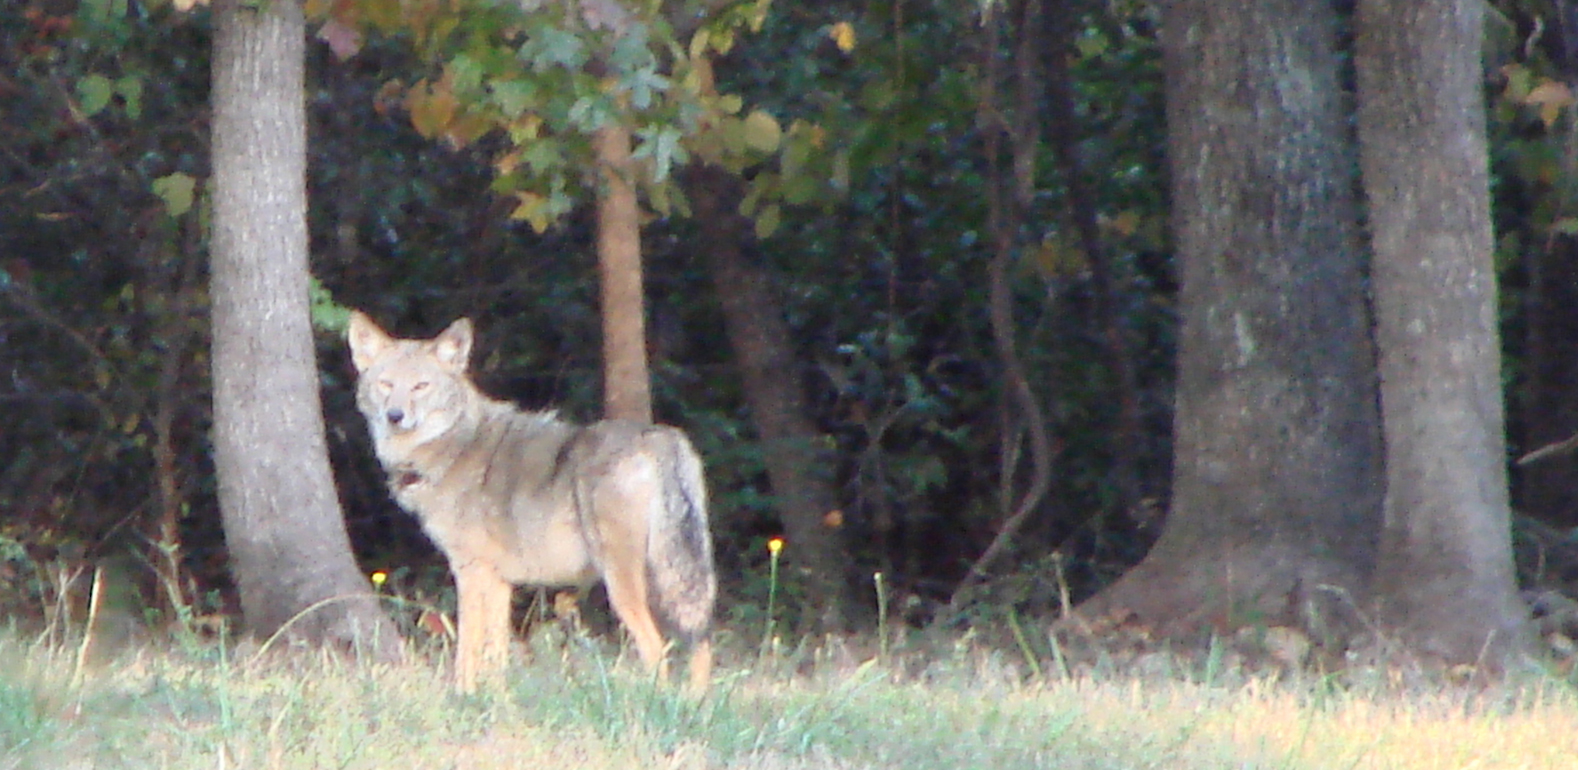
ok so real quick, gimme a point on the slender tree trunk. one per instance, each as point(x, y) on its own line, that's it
point(1127, 437)
point(1008, 200)
point(1545, 411)
point(1276, 481)
point(1445, 576)
point(627, 387)
point(177, 334)
point(289, 552)
point(763, 350)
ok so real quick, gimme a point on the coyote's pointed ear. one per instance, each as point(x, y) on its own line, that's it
point(452, 346)
point(367, 340)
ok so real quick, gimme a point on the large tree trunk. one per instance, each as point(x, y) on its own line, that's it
point(1276, 482)
point(289, 552)
point(627, 386)
point(1445, 572)
point(763, 350)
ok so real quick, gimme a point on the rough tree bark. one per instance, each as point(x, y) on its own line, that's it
point(1277, 480)
point(763, 351)
point(1444, 578)
point(627, 386)
point(289, 551)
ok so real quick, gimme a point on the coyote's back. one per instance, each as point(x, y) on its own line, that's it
point(515, 497)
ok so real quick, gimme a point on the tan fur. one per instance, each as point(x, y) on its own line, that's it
point(514, 497)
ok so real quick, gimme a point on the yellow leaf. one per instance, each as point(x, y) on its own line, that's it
point(534, 209)
point(762, 132)
point(466, 129)
point(843, 34)
point(507, 163)
point(698, 42)
point(526, 128)
point(1550, 92)
point(1551, 97)
point(1057, 258)
point(1125, 223)
point(1549, 113)
point(432, 107)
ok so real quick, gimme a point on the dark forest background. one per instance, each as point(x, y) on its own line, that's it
point(881, 266)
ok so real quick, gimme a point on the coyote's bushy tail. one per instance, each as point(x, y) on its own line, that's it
point(683, 586)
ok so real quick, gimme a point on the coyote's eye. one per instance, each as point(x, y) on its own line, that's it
point(421, 386)
point(385, 386)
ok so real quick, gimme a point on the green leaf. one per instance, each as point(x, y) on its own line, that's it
point(327, 315)
point(1091, 44)
point(94, 93)
point(762, 132)
point(732, 134)
point(840, 178)
point(543, 155)
point(767, 222)
point(590, 113)
point(792, 160)
point(1565, 226)
point(663, 147)
point(176, 192)
point(552, 47)
point(800, 189)
point(130, 89)
point(631, 52)
point(643, 85)
point(466, 73)
point(762, 186)
point(512, 96)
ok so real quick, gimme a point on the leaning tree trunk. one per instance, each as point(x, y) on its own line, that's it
point(1276, 482)
point(1444, 577)
point(289, 551)
point(627, 387)
point(763, 351)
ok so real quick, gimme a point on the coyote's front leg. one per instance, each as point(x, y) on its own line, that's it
point(484, 600)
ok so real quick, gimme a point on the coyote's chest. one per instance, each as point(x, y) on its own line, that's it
point(498, 501)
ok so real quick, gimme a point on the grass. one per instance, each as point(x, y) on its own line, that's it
point(577, 707)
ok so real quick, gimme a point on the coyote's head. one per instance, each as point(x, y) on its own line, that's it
point(410, 391)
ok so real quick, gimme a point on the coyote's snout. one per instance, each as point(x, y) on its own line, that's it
point(514, 497)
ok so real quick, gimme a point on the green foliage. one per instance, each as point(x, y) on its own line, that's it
point(100, 304)
point(177, 191)
point(544, 77)
point(327, 315)
point(858, 134)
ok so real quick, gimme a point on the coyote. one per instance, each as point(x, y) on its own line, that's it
point(514, 497)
